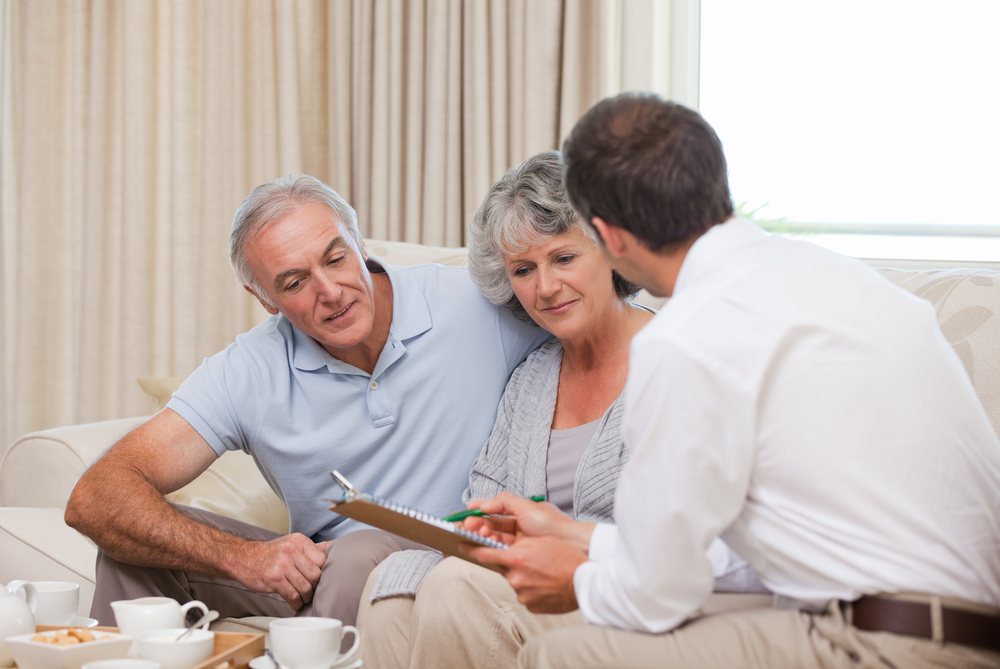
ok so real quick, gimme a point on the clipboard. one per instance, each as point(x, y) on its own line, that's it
point(408, 523)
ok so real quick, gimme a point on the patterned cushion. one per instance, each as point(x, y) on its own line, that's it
point(968, 307)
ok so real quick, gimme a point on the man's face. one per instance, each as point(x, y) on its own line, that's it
point(633, 271)
point(315, 274)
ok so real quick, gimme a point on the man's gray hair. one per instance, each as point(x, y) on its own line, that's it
point(273, 200)
point(526, 207)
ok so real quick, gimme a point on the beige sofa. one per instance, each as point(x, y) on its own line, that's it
point(38, 471)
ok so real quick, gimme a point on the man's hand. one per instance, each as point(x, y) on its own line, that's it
point(527, 519)
point(289, 566)
point(540, 569)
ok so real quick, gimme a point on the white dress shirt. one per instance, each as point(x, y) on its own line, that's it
point(798, 405)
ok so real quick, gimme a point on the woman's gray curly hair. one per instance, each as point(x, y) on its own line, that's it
point(527, 206)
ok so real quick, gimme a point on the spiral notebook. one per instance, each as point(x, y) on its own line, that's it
point(408, 523)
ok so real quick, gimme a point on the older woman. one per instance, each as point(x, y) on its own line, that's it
point(557, 431)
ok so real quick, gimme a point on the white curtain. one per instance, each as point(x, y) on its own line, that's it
point(130, 130)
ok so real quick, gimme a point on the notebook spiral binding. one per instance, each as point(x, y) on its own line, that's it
point(431, 520)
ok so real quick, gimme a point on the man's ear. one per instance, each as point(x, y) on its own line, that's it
point(611, 235)
point(268, 307)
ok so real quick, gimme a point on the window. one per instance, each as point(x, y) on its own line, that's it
point(860, 119)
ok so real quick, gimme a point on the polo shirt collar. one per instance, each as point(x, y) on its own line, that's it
point(410, 317)
point(410, 314)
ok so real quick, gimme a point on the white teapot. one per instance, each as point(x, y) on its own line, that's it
point(15, 615)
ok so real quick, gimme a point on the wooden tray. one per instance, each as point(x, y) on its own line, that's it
point(232, 651)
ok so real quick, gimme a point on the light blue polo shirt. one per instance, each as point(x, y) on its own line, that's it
point(409, 432)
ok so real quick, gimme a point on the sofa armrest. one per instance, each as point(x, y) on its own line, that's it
point(41, 468)
point(37, 545)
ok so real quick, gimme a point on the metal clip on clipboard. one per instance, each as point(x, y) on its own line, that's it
point(350, 492)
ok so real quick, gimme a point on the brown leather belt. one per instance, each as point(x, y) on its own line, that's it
point(880, 614)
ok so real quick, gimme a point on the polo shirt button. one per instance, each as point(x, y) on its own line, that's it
point(374, 385)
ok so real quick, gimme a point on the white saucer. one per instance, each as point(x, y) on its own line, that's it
point(83, 621)
point(352, 662)
point(264, 662)
point(353, 665)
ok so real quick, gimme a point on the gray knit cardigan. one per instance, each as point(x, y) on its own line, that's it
point(514, 459)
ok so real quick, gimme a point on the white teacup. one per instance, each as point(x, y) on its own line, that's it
point(162, 646)
point(310, 643)
point(135, 616)
point(57, 602)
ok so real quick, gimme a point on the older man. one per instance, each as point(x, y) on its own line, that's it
point(391, 375)
point(786, 399)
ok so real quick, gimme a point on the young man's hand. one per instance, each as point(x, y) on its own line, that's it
point(540, 569)
point(546, 547)
point(519, 517)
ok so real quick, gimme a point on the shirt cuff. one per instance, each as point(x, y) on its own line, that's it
point(583, 577)
point(602, 542)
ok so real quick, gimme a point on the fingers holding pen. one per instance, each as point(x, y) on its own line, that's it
point(511, 518)
point(500, 529)
point(503, 504)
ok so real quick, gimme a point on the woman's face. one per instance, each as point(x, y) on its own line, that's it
point(564, 284)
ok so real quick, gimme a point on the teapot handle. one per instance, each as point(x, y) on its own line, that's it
point(30, 593)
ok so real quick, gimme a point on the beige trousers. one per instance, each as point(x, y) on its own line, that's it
point(758, 639)
point(464, 616)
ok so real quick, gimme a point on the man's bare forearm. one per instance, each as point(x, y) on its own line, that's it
point(121, 511)
point(119, 504)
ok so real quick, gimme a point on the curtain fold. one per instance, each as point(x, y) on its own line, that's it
point(132, 129)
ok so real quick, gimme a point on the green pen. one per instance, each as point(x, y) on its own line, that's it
point(461, 515)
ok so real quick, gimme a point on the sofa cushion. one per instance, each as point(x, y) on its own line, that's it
point(409, 254)
point(159, 388)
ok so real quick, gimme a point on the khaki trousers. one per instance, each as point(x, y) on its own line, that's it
point(464, 616)
point(758, 639)
point(349, 560)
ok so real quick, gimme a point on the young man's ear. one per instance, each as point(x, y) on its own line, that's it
point(268, 307)
point(611, 235)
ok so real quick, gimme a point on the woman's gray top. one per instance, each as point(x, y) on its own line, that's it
point(514, 459)
point(566, 449)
